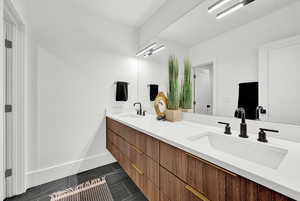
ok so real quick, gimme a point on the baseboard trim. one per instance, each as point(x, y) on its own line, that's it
point(42, 176)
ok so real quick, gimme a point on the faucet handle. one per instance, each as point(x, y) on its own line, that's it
point(227, 128)
point(262, 136)
point(144, 112)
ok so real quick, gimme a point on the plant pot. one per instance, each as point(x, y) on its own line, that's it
point(187, 110)
point(173, 115)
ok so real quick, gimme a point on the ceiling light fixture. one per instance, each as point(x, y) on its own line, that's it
point(217, 5)
point(146, 49)
point(154, 51)
point(160, 48)
point(234, 8)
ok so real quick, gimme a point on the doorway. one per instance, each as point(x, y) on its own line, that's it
point(14, 100)
point(203, 89)
point(8, 91)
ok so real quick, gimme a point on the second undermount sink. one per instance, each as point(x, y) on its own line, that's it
point(261, 154)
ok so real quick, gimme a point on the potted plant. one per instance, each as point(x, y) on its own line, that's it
point(186, 88)
point(173, 112)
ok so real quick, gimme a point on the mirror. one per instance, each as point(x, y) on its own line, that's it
point(245, 57)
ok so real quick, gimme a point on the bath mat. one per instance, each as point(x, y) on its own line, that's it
point(95, 190)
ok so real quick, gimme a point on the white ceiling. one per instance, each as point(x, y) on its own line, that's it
point(199, 25)
point(128, 12)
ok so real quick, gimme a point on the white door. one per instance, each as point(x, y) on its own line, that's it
point(203, 90)
point(8, 27)
point(280, 80)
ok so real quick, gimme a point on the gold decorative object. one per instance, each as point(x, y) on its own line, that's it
point(160, 102)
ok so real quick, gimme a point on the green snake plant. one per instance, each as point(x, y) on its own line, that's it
point(186, 88)
point(173, 92)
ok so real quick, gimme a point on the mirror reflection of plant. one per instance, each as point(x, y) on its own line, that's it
point(186, 88)
point(173, 93)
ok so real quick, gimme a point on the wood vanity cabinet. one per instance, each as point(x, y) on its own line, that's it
point(166, 173)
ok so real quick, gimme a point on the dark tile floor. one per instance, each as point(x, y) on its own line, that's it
point(121, 186)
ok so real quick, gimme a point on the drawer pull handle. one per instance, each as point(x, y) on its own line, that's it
point(196, 193)
point(210, 164)
point(135, 148)
point(137, 169)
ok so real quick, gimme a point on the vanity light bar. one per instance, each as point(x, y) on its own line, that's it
point(154, 51)
point(160, 48)
point(146, 49)
point(234, 8)
point(217, 5)
point(230, 10)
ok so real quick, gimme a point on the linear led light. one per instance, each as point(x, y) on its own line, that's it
point(234, 8)
point(154, 51)
point(217, 5)
point(230, 10)
point(160, 48)
point(146, 49)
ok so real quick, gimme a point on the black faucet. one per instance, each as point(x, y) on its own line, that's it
point(243, 129)
point(227, 128)
point(257, 112)
point(262, 136)
point(140, 111)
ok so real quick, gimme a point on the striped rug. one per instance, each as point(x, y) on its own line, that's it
point(95, 190)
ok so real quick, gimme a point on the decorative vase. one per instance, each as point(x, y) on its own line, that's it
point(173, 115)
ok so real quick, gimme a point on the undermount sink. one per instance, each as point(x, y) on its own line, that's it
point(131, 116)
point(262, 154)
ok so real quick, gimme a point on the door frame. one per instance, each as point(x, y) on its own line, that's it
point(18, 136)
point(264, 68)
point(214, 88)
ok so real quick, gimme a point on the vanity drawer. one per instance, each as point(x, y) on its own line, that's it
point(173, 189)
point(135, 156)
point(140, 141)
point(150, 190)
point(139, 177)
point(174, 160)
point(148, 166)
point(145, 144)
point(118, 128)
point(215, 183)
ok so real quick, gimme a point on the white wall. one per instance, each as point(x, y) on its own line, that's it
point(236, 53)
point(73, 63)
point(169, 13)
point(71, 99)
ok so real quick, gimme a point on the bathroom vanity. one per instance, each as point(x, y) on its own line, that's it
point(165, 161)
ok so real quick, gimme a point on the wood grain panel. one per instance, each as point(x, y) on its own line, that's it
point(206, 179)
point(173, 189)
point(173, 160)
point(248, 190)
point(118, 128)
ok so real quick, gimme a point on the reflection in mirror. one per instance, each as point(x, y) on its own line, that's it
point(249, 58)
point(203, 88)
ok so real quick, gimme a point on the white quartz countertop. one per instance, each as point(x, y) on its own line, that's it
point(284, 179)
